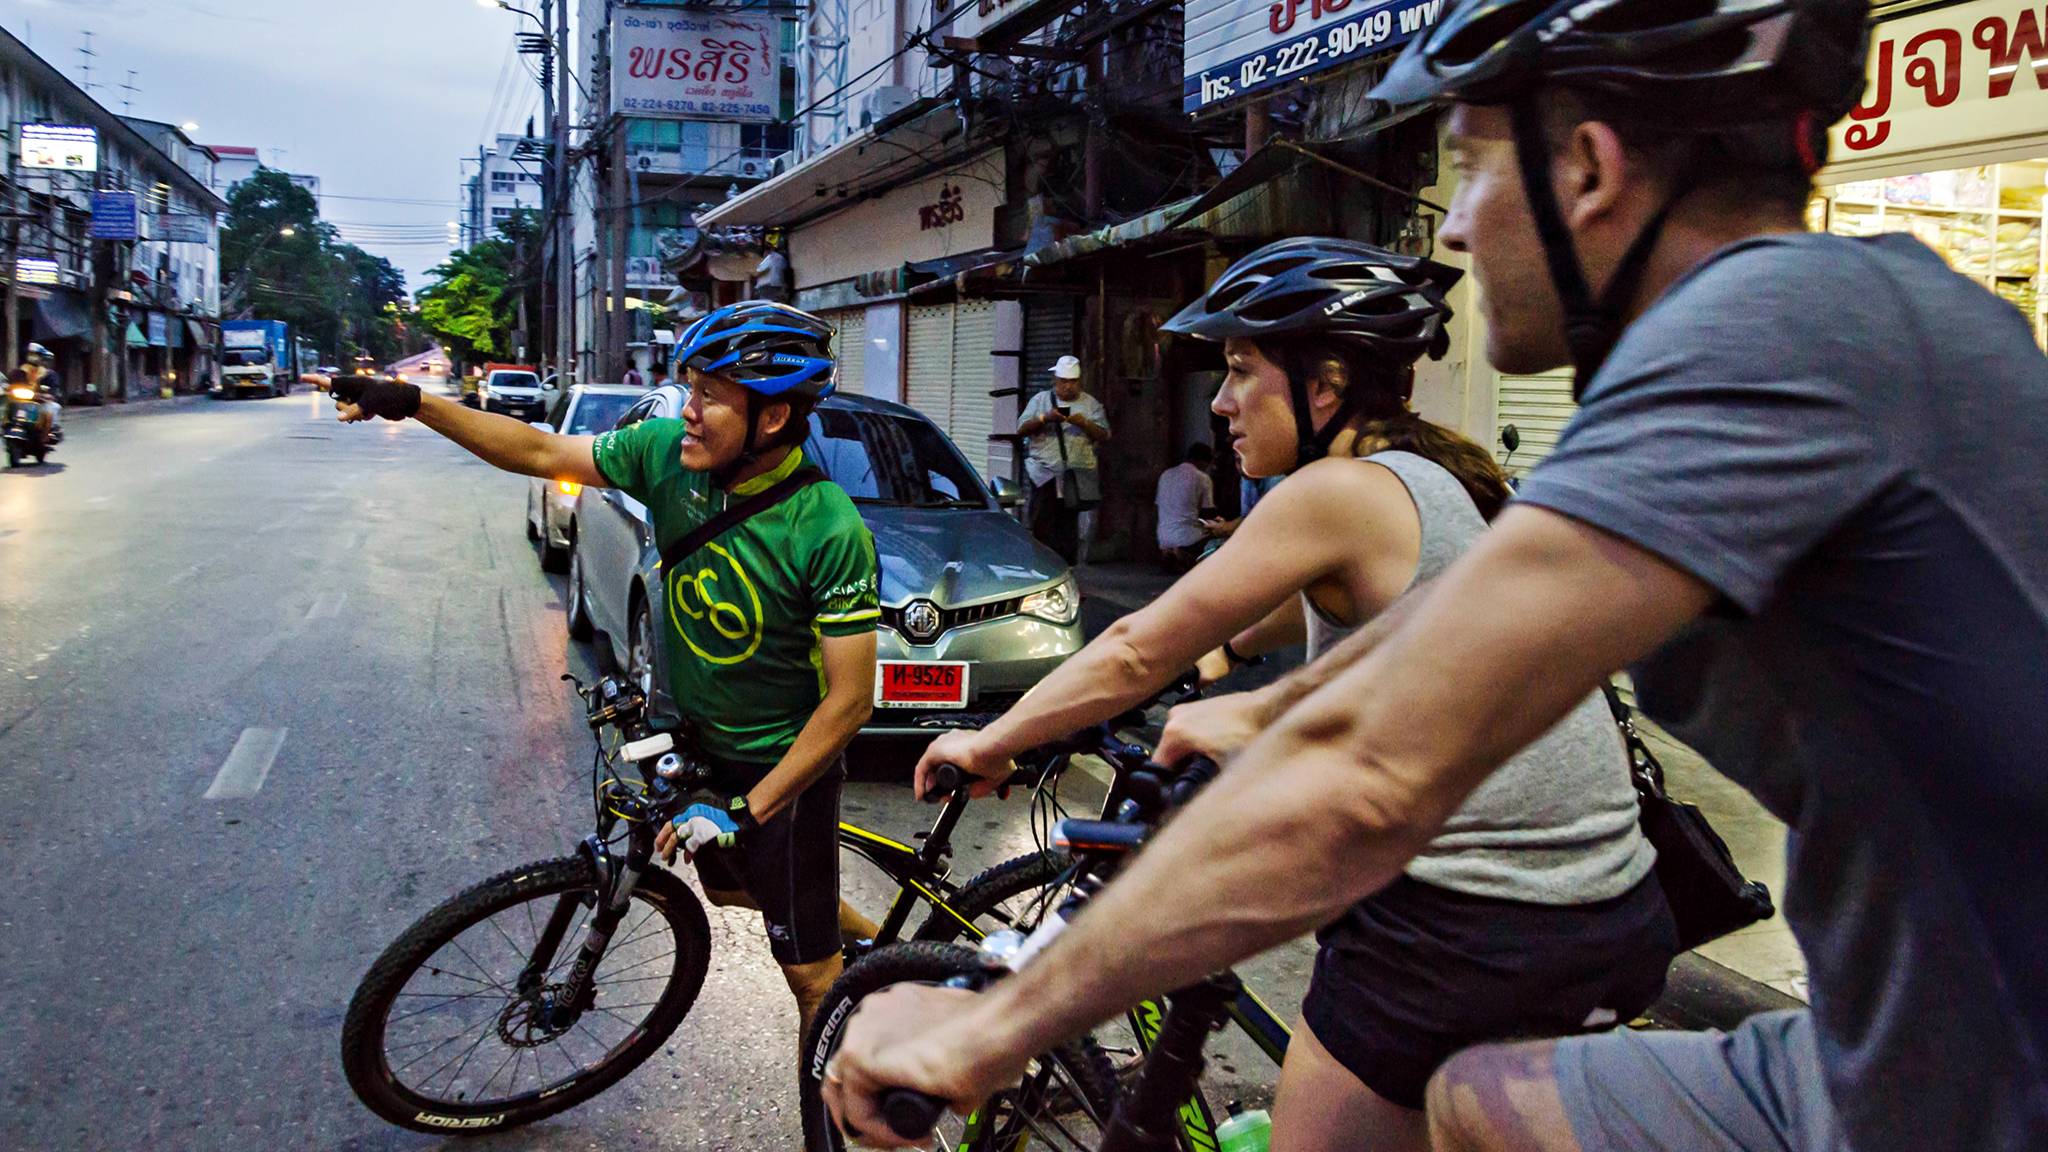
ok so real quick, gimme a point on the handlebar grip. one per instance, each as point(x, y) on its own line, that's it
point(945, 781)
point(911, 1114)
point(1194, 776)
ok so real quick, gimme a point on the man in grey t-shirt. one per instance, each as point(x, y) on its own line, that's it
point(1804, 497)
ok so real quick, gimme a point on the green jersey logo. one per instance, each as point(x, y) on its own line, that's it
point(716, 608)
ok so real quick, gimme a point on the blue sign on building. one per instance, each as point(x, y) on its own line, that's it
point(1238, 48)
point(116, 216)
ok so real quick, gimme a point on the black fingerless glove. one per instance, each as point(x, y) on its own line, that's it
point(386, 398)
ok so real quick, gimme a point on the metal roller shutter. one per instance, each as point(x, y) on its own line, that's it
point(974, 342)
point(1539, 407)
point(1048, 335)
point(928, 378)
point(850, 345)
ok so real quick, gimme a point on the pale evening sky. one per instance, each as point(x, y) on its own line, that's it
point(378, 98)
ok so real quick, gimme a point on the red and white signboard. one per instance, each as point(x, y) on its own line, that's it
point(695, 63)
point(1964, 82)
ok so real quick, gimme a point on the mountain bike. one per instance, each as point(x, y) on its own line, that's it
point(1148, 1116)
point(542, 986)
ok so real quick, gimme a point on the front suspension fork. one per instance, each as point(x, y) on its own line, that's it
point(612, 891)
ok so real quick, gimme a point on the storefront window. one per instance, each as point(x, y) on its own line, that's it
point(1985, 221)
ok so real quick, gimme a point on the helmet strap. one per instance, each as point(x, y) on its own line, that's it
point(723, 477)
point(1311, 445)
point(1591, 328)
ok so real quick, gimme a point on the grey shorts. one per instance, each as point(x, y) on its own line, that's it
point(1756, 1089)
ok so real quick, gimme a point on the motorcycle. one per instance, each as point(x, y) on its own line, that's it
point(21, 427)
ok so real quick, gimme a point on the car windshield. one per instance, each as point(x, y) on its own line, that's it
point(598, 411)
point(514, 380)
point(884, 459)
point(244, 357)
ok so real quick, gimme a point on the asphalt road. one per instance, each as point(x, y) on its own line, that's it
point(195, 577)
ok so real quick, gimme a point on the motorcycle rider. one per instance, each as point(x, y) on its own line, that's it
point(35, 371)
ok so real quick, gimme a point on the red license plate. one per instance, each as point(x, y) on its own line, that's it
point(920, 684)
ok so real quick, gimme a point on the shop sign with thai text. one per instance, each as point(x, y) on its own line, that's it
point(1240, 47)
point(697, 63)
point(1970, 75)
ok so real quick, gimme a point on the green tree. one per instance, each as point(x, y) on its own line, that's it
point(344, 299)
point(472, 299)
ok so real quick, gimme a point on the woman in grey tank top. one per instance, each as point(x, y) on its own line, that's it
point(1534, 912)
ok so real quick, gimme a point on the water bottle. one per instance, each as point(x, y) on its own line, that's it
point(1245, 1131)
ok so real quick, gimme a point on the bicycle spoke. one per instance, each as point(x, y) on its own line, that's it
point(482, 1093)
point(436, 1048)
point(479, 967)
point(449, 1000)
point(643, 963)
point(464, 1058)
point(575, 934)
point(524, 957)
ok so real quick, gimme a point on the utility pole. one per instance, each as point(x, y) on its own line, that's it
point(542, 345)
point(565, 238)
point(615, 312)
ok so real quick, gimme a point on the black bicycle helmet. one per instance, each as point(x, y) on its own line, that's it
point(1387, 305)
point(1760, 81)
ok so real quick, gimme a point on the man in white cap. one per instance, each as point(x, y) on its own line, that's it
point(1061, 429)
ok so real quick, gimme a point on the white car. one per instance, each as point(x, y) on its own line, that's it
point(515, 393)
point(583, 410)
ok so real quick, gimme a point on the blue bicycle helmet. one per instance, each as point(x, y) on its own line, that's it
point(771, 349)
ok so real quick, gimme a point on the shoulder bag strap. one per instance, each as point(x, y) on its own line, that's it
point(739, 514)
point(1644, 769)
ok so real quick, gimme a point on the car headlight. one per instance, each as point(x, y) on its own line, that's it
point(1059, 604)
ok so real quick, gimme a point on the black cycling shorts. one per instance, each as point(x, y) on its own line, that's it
point(789, 865)
point(1416, 974)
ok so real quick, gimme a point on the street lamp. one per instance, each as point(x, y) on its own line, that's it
point(287, 231)
point(189, 127)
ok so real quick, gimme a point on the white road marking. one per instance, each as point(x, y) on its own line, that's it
point(241, 775)
point(97, 499)
point(328, 606)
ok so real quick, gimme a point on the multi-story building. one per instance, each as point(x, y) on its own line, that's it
point(122, 315)
point(675, 140)
point(508, 179)
point(237, 162)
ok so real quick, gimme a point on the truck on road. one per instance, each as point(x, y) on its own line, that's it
point(257, 356)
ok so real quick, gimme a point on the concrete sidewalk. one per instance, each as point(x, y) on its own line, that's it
point(134, 406)
point(1765, 953)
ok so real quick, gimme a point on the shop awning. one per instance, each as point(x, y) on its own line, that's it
point(923, 136)
point(197, 331)
point(1280, 157)
point(136, 339)
point(62, 316)
point(957, 273)
point(1139, 228)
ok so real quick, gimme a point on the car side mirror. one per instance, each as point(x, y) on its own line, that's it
point(1511, 438)
point(1008, 493)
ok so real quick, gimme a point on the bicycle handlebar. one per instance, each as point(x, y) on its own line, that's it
point(911, 1114)
point(947, 780)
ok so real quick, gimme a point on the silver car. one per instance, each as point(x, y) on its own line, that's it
point(583, 410)
point(974, 611)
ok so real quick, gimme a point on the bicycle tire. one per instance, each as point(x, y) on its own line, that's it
point(1086, 1069)
point(363, 1034)
point(983, 896)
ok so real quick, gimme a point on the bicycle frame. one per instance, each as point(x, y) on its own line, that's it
point(919, 873)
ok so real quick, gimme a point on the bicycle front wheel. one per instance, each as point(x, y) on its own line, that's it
point(1062, 1104)
point(1014, 894)
point(444, 1036)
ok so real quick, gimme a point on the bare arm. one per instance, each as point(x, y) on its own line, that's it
point(1346, 788)
point(499, 441)
point(849, 701)
point(1314, 524)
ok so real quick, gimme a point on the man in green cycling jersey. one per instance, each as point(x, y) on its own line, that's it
point(1802, 498)
point(770, 627)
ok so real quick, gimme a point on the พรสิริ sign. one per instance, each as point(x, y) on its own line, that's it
point(695, 62)
point(62, 147)
point(116, 216)
point(1948, 85)
point(1238, 47)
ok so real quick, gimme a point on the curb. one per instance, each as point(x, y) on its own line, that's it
point(129, 407)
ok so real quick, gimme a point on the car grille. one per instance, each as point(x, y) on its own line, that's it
point(951, 618)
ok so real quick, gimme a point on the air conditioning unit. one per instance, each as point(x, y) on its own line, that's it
point(755, 168)
point(883, 102)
